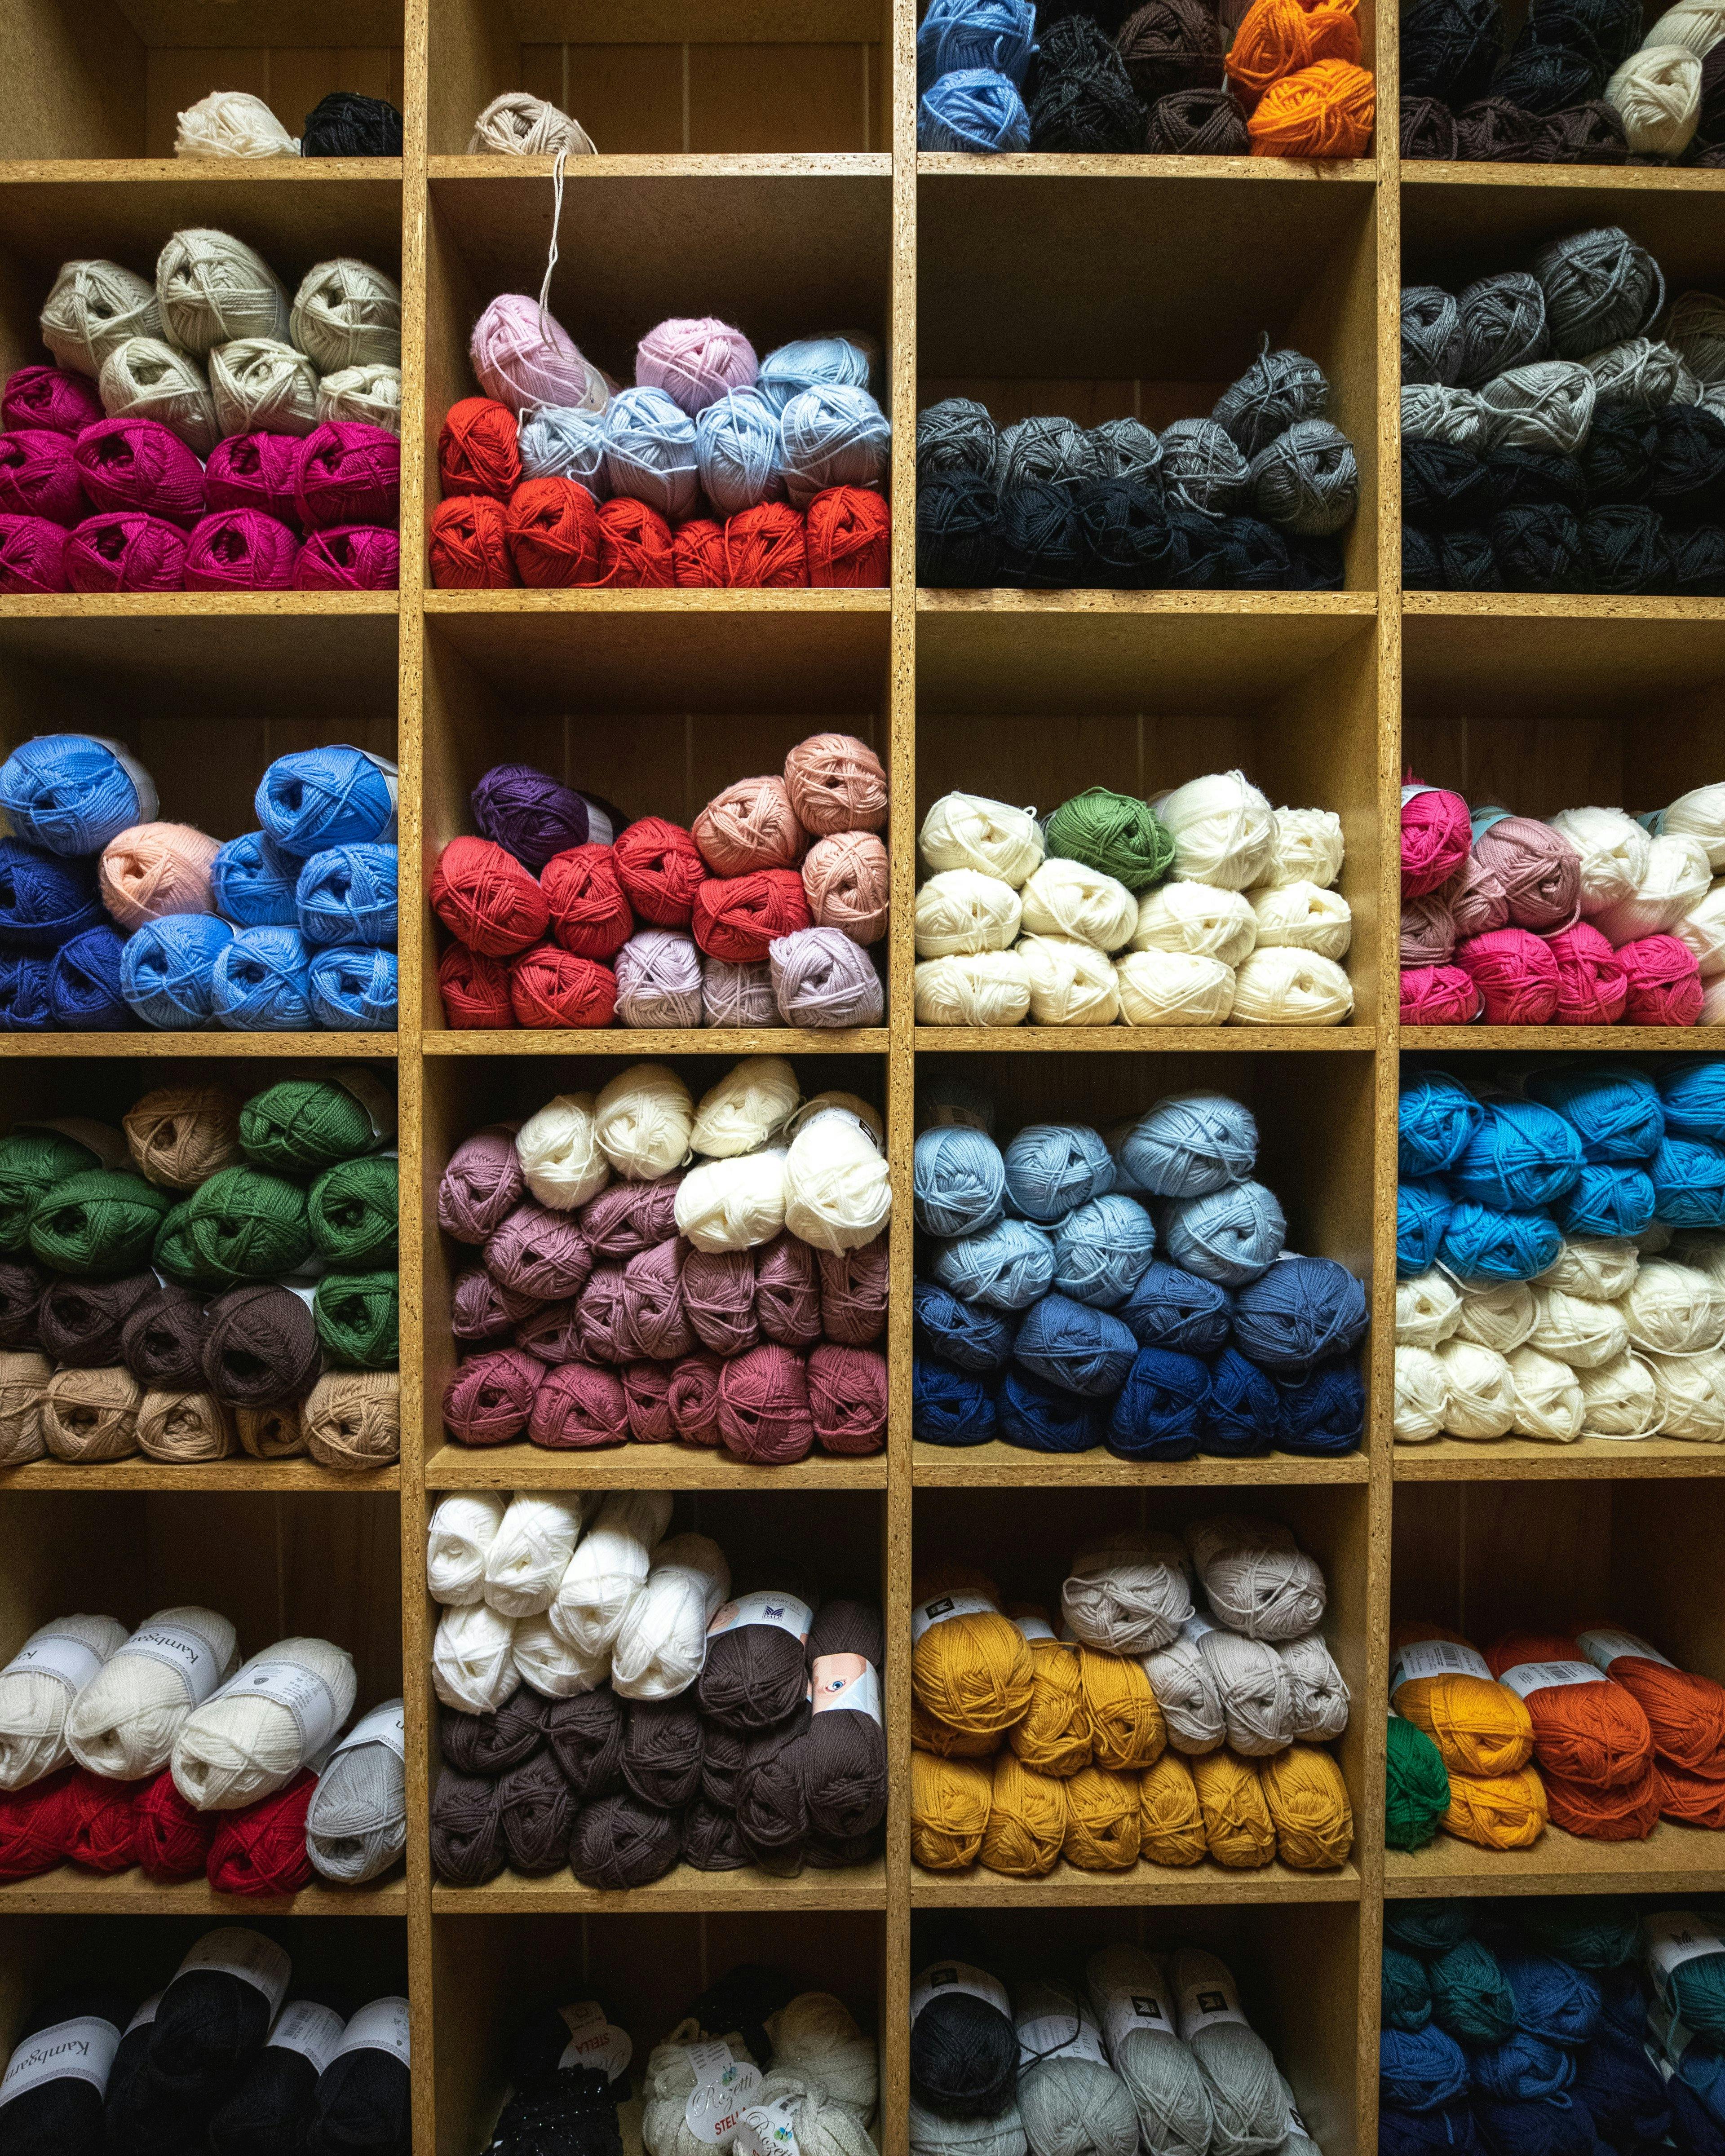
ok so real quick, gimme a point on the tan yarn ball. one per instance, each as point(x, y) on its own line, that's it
point(91, 1414)
point(371, 395)
point(260, 385)
point(750, 824)
point(988, 987)
point(352, 1419)
point(179, 1136)
point(211, 287)
point(147, 376)
point(23, 1380)
point(848, 881)
point(186, 1429)
point(836, 784)
point(155, 868)
point(347, 314)
point(270, 1433)
point(519, 125)
point(94, 308)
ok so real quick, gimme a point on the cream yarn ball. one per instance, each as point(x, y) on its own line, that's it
point(661, 1647)
point(751, 1103)
point(1500, 1316)
point(1071, 983)
point(670, 2071)
point(472, 1667)
point(1258, 1578)
point(1128, 1595)
point(1702, 1248)
point(817, 2036)
point(821, 2126)
point(1302, 916)
point(1281, 986)
point(558, 1148)
point(550, 1665)
point(531, 1550)
point(38, 1686)
point(1422, 1396)
point(969, 831)
point(838, 1186)
point(519, 125)
point(93, 309)
point(1701, 930)
point(1174, 988)
point(122, 1724)
point(1597, 1268)
point(1427, 1310)
point(347, 314)
point(1621, 1399)
point(1222, 828)
point(1482, 1393)
point(1065, 898)
point(1613, 847)
point(1696, 25)
point(992, 988)
point(257, 385)
point(457, 1537)
point(1656, 94)
point(1306, 846)
point(1677, 878)
point(243, 1744)
point(1186, 1692)
point(609, 1568)
point(1699, 814)
point(145, 376)
point(232, 123)
point(1548, 1402)
point(211, 288)
point(961, 911)
point(1198, 919)
point(643, 1119)
point(1690, 1394)
point(1582, 1333)
point(1674, 1309)
point(369, 394)
point(734, 1204)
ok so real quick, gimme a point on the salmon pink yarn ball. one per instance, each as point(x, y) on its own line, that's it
point(32, 554)
point(698, 555)
point(1664, 982)
point(351, 557)
point(479, 448)
point(135, 462)
point(349, 472)
point(589, 914)
point(850, 539)
point(1438, 995)
point(554, 530)
point(741, 917)
point(490, 1396)
point(695, 361)
point(1514, 973)
point(156, 869)
point(247, 471)
point(693, 1398)
point(39, 476)
point(579, 1406)
point(766, 548)
point(634, 546)
point(750, 825)
point(847, 1400)
point(849, 880)
point(49, 396)
point(660, 869)
point(240, 550)
point(551, 987)
point(1592, 984)
point(474, 990)
point(1436, 835)
point(836, 784)
point(483, 895)
point(1428, 931)
point(469, 546)
point(127, 551)
point(764, 1406)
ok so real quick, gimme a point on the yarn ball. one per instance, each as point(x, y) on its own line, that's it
point(126, 551)
point(469, 545)
point(1082, 99)
point(552, 529)
point(39, 476)
point(974, 109)
point(49, 397)
point(348, 473)
point(832, 435)
point(344, 124)
point(44, 898)
point(478, 449)
point(849, 539)
point(483, 895)
point(694, 361)
point(167, 972)
point(33, 555)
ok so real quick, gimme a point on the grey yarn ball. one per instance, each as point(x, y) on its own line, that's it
point(1160, 2072)
point(1431, 336)
point(932, 2135)
point(956, 435)
point(1308, 480)
point(1640, 375)
point(1077, 2107)
point(1502, 325)
point(1546, 407)
point(1600, 287)
point(1278, 389)
point(1202, 468)
point(1430, 413)
point(1124, 448)
point(1053, 449)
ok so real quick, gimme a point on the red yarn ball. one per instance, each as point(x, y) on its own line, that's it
point(850, 539)
point(261, 1849)
point(469, 547)
point(33, 555)
point(1516, 974)
point(485, 897)
point(1663, 981)
point(698, 555)
point(126, 550)
point(737, 917)
point(660, 869)
point(1592, 984)
point(764, 1406)
point(349, 557)
point(173, 1837)
point(490, 1396)
point(550, 987)
point(101, 1823)
point(34, 1821)
point(693, 1398)
point(554, 530)
point(847, 1399)
point(474, 989)
point(240, 550)
point(634, 545)
point(252, 471)
point(479, 448)
point(589, 914)
point(578, 1406)
point(51, 397)
point(349, 472)
point(39, 476)
point(646, 1395)
point(767, 547)
point(1436, 835)
point(1438, 995)
point(135, 462)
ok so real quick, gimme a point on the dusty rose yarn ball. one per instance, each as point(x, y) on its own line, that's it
point(646, 1397)
point(351, 557)
point(1540, 872)
point(348, 473)
point(630, 1217)
point(32, 554)
point(490, 1396)
point(49, 396)
point(764, 1406)
point(552, 1334)
point(579, 1406)
point(1514, 973)
point(1477, 900)
point(135, 462)
point(750, 825)
point(853, 1293)
point(589, 914)
point(693, 1398)
point(250, 471)
point(1436, 835)
point(481, 1186)
point(1438, 995)
point(240, 550)
point(660, 869)
point(1427, 936)
point(125, 550)
point(538, 1253)
point(788, 1291)
point(474, 990)
point(39, 476)
point(836, 784)
point(739, 918)
point(1592, 984)
point(847, 1399)
point(655, 1324)
point(1663, 980)
point(483, 895)
point(600, 1318)
point(481, 1309)
point(847, 879)
point(552, 987)
point(718, 1290)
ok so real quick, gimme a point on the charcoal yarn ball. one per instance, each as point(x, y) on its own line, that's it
point(1171, 45)
point(957, 541)
point(1625, 549)
point(955, 435)
point(1534, 479)
point(1199, 123)
point(1537, 547)
point(1502, 325)
point(1431, 336)
point(1686, 481)
point(1449, 48)
point(1124, 448)
point(1276, 391)
point(1443, 487)
point(1428, 129)
point(1544, 73)
point(1617, 457)
point(1600, 286)
point(346, 125)
point(964, 2056)
point(1083, 99)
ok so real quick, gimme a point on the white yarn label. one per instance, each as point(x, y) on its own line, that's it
point(1674, 1937)
point(1197, 1628)
point(177, 1647)
point(939, 1607)
point(1051, 2023)
point(784, 1611)
point(384, 1725)
point(958, 1976)
point(307, 1698)
point(594, 2041)
point(373, 1095)
point(1206, 2001)
point(102, 1139)
point(1436, 1658)
point(1604, 1647)
point(600, 830)
point(54, 1654)
point(1527, 1677)
point(312, 2030)
point(249, 1955)
point(768, 2129)
point(382, 2026)
point(1035, 1628)
point(1144, 2005)
point(724, 2089)
point(847, 1681)
point(146, 2013)
point(77, 2050)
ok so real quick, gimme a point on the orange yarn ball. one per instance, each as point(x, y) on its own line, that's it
point(1627, 1813)
point(1325, 110)
point(1279, 38)
point(766, 548)
point(850, 539)
point(1686, 1712)
point(1693, 1799)
point(698, 555)
point(469, 547)
point(485, 897)
point(1595, 1735)
point(553, 528)
point(634, 545)
point(479, 449)
point(750, 825)
point(849, 880)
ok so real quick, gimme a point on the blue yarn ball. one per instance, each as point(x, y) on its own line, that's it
point(1552, 2126)
point(167, 969)
point(556, 442)
point(811, 363)
point(1480, 1244)
point(353, 988)
point(316, 797)
point(1692, 1093)
point(1447, 2130)
point(72, 794)
point(1177, 1310)
point(1418, 2069)
point(1242, 1408)
point(957, 1180)
point(1522, 1157)
point(1522, 2067)
point(1702, 2070)
point(1324, 1415)
point(84, 990)
point(1188, 1145)
point(962, 1333)
point(997, 36)
point(832, 435)
point(1607, 1201)
point(1050, 1168)
point(1228, 1236)
point(1045, 1417)
point(1616, 1111)
point(973, 108)
point(1625, 1996)
point(1624, 2091)
point(1553, 1999)
point(1694, 2128)
point(1422, 1213)
point(949, 1406)
point(1007, 1267)
point(44, 898)
point(1158, 1413)
point(1300, 1310)
point(253, 883)
point(1436, 1117)
point(1103, 1250)
point(347, 895)
point(1073, 1345)
point(24, 1006)
point(259, 985)
point(1689, 1183)
point(649, 452)
point(737, 452)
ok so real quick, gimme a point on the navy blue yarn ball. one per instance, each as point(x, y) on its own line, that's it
point(45, 899)
point(1043, 1417)
point(1177, 1310)
point(1157, 1414)
point(1299, 1311)
point(1557, 2126)
point(1242, 1408)
point(964, 1334)
point(83, 994)
point(1324, 1415)
point(949, 1406)
point(1446, 2130)
point(23, 993)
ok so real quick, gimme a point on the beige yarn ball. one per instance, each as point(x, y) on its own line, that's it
point(145, 376)
point(261, 386)
point(352, 1419)
point(970, 831)
point(519, 125)
point(123, 1723)
point(1581, 1333)
point(1656, 94)
point(991, 988)
point(276, 1433)
point(91, 1414)
point(1174, 988)
point(1597, 1268)
point(1071, 983)
point(232, 123)
point(1621, 1399)
point(23, 1379)
point(1198, 918)
point(1613, 847)
point(1067, 898)
point(1302, 916)
point(1281, 986)
point(558, 1148)
point(37, 1687)
point(1258, 1578)
point(1696, 25)
point(1428, 1310)
point(1223, 829)
point(1690, 1394)
point(1482, 1391)
point(1549, 1401)
point(244, 1743)
point(369, 394)
point(643, 1119)
point(213, 288)
point(1422, 1396)
point(1500, 1316)
point(1674, 1309)
point(1306, 846)
point(186, 1429)
point(751, 1103)
point(347, 314)
point(1695, 326)
point(93, 309)
point(961, 911)
point(818, 2036)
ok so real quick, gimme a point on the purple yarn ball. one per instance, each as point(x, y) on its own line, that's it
point(533, 816)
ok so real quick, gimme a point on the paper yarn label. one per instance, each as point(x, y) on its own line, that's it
point(768, 2129)
point(179, 1648)
point(784, 1611)
point(382, 2026)
point(1436, 1658)
point(1295, 2123)
point(68, 1661)
point(1196, 1628)
point(939, 1607)
point(383, 1725)
point(724, 2089)
point(312, 2030)
point(304, 1694)
point(248, 1955)
point(958, 1976)
point(373, 1095)
point(1035, 1628)
point(1604, 1645)
point(1145, 2005)
point(1052, 2023)
point(1674, 1937)
point(1204, 2002)
point(594, 2041)
point(146, 2013)
point(846, 1680)
point(81, 2049)
point(1527, 1677)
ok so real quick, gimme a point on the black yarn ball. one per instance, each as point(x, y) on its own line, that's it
point(1710, 128)
point(1530, 478)
point(1538, 547)
point(1466, 563)
point(1170, 45)
point(1198, 123)
point(22, 1288)
point(1428, 128)
point(207, 2025)
point(1443, 486)
point(1687, 482)
point(958, 533)
point(1542, 74)
point(133, 2123)
point(1041, 541)
point(1421, 568)
point(1449, 48)
point(1617, 457)
point(362, 2104)
point(1627, 549)
point(1493, 131)
point(964, 2055)
point(1108, 15)
point(1608, 30)
point(570, 2112)
point(1083, 100)
point(1698, 562)
point(1124, 529)
point(63, 2115)
point(1194, 550)
point(1590, 134)
point(744, 1999)
point(271, 2111)
point(1315, 564)
point(1252, 555)
point(346, 125)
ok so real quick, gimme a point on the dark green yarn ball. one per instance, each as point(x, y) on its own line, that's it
point(99, 1224)
point(246, 1224)
point(1470, 2000)
point(1427, 1927)
point(359, 1319)
point(1407, 1995)
point(1416, 1785)
point(32, 1161)
point(174, 1257)
point(302, 1125)
point(1116, 834)
point(1593, 1931)
point(355, 1213)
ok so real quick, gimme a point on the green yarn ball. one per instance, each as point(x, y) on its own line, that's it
point(1416, 1788)
point(355, 1212)
point(1407, 1995)
point(31, 1162)
point(99, 1224)
point(247, 1224)
point(1591, 1931)
point(1427, 1927)
point(1470, 2000)
point(174, 1256)
point(359, 1319)
point(302, 1125)
point(1116, 833)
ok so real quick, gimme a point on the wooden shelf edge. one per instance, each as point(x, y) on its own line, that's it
point(632, 1040)
point(138, 606)
point(1067, 1887)
point(1042, 164)
point(1166, 1039)
point(1001, 1467)
point(260, 1476)
point(633, 1466)
point(144, 1045)
point(1673, 1859)
point(134, 172)
point(1635, 179)
point(1525, 1460)
point(589, 598)
point(1557, 606)
point(1318, 605)
point(693, 165)
point(70, 1892)
point(1564, 1039)
point(683, 1890)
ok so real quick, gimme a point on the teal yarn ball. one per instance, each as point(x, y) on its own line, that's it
point(1071, 1344)
point(260, 983)
point(1407, 1994)
point(1102, 1249)
point(1187, 1145)
point(1692, 1093)
point(1695, 1992)
point(1050, 1168)
point(353, 989)
point(1590, 1931)
point(1006, 1267)
point(958, 1181)
point(1422, 1213)
point(347, 895)
point(1427, 1927)
point(1228, 1236)
point(811, 363)
point(1436, 1116)
point(736, 452)
point(1522, 1157)
point(1607, 1201)
point(1469, 1997)
point(1689, 1183)
point(254, 882)
point(167, 969)
point(1481, 1246)
point(1616, 1111)
point(1042, 1417)
point(73, 793)
point(316, 797)
point(969, 1336)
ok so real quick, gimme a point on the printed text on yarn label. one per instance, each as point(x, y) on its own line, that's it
point(1527, 1677)
point(941, 1607)
point(1673, 1937)
point(767, 2129)
point(304, 1695)
point(1207, 1999)
point(1035, 1628)
point(1603, 1647)
point(1145, 2005)
point(312, 2030)
point(177, 1647)
point(383, 1725)
point(248, 1955)
point(784, 1610)
point(1436, 1658)
point(68, 1661)
point(381, 2026)
point(846, 1680)
point(77, 2050)
point(594, 2041)
point(1196, 1628)
point(958, 1976)
point(724, 2089)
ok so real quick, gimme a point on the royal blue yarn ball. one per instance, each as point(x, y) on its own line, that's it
point(1550, 2126)
point(1188, 1145)
point(1615, 1109)
point(1624, 2091)
point(1324, 1415)
point(1051, 1167)
point(1694, 2128)
point(997, 35)
point(965, 1334)
point(353, 988)
point(72, 792)
point(1418, 2069)
point(347, 895)
point(316, 797)
point(1523, 1156)
point(1174, 1309)
point(1242, 1408)
point(1072, 1345)
point(254, 882)
point(958, 1180)
point(1228, 1236)
point(1625, 1996)
point(949, 1406)
point(1608, 1200)
point(167, 969)
point(974, 110)
point(1689, 1183)
point(1480, 1244)
point(1446, 2130)
point(1157, 1414)
point(1522, 2067)
point(1007, 1267)
point(1300, 1310)
point(1045, 1417)
point(260, 981)
point(1702, 2070)
point(1692, 1092)
point(45, 899)
point(1103, 1250)
point(1422, 1213)
point(1553, 1999)
point(1436, 1117)
point(84, 983)
point(23, 993)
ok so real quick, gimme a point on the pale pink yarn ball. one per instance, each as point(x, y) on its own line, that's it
point(696, 361)
point(848, 882)
point(155, 868)
point(525, 359)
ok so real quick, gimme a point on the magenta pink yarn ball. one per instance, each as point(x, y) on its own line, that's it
point(579, 1406)
point(1438, 995)
point(126, 550)
point(135, 463)
point(33, 555)
point(351, 557)
point(490, 1396)
point(240, 550)
point(1592, 984)
point(39, 476)
point(1514, 973)
point(255, 471)
point(348, 473)
point(1436, 835)
point(49, 397)
point(1663, 981)
point(696, 361)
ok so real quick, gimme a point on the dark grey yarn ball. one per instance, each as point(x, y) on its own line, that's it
point(1307, 481)
point(1600, 287)
point(1057, 451)
point(955, 435)
point(1202, 468)
point(1276, 390)
point(1502, 325)
point(1431, 336)
point(1124, 448)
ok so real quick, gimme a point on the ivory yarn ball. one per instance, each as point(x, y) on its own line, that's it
point(369, 395)
point(1500, 1316)
point(519, 125)
point(143, 375)
point(122, 1724)
point(457, 1536)
point(93, 308)
point(1222, 828)
point(1428, 1310)
point(1599, 1269)
point(1066, 897)
point(1481, 1392)
point(961, 911)
point(1582, 1333)
point(529, 1552)
point(1619, 1399)
point(1690, 1394)
point(472, 1666)
point(1676, 878)
point(1174, 988)
point(736, 1203)
point(1700, 813)
point(1613, 847)
point(1701, 930)
point(1548, 1402)
point(751, 1104)
point(1673, 1310)
point(347, 314)
point(232, 123)
point(211, 287)
point(1306, 846)
point(550, 1665)
point(1303, 917)
point(1696, 25)
point(970, 831)
point(661, 1643)
point(1422, 1396)
point(259, 386)
point(559, 1151)
point(817, 2034)
point(1285, 986)
point(1071, 983)
point(838, 1186)
point(34, 1702)
point(991, 988)
point(239, 1746)
point(643, 1119)
point(608, 1569)
point(1198, 919)
point(1656, 94)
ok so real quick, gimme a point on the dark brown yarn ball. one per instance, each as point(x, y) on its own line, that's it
point(854, 1286)
point(585, 1736)
point(756, 1676)
point(1589, 134)
point(1171, 45)
point(833, 1852)
point(722, 1752)
point(1710, 128)
point(1082, 99)
point(22, 1288)
point(772, 1795)
point(1198, 123)
point(846, 1751)
point(1493, 131)
point(536, 1810)
point(466, 1828)
point(661, 1751)
point(492, 1743)
point(788, 1291)
point(628, 1218)
point(1428, 128)
point(711, 1841)
point(261, 1347)
point(82, 1323)
point(162, 1342)
point(719, 1300)
point(746, 1997)
point(620, 1843)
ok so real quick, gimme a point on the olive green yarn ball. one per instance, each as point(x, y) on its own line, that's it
point(355, 1213)
point(1416, 1788)
point(174, 1257)
point(1116, 833)
point(359, 1319)
point(247, 1224)
point(1470, 1997)
point(302, 1125)
point(99, 1224)
point(31, 1162)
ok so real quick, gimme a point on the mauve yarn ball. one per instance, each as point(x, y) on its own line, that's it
point(788, 1291)
point(764, 1406)
point(481, 1186)
point(1538, 869)
point(847, 1399)
point(646, 1398)
point(551, 1333)
point(693, 1398)
point(718, 1290)
point(600, 1316)
point(854, 1287)
point(480, 1310)
point(654, 1322)
point(534, 1251)
point(628, 1218)
point(490, 1396)
point(578, 1405)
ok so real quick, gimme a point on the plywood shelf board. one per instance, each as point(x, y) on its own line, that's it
point(1673, 1859)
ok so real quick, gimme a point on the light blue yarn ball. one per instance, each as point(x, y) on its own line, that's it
point(254, 882)
point(1616, 1110)
point(260, 983)
point(1008, 1266)
point(649, 452)
point(1081, 1349)
point(1522, 1157)
point(347, 895)
point(832, 435)
point(811, 363)
point(958, 1181)
point(353, 989)
point(1692, 1091)
point(1436, 1116)
point(974, 109)
point(556, 442)
point(1228, 1236)
point(71, 793)
point(326, 797)
point(167, 969)
point(1102, 1250)
point(736, 452)
point(1050, 1168)
point(1188, 1144)
point(996, 36)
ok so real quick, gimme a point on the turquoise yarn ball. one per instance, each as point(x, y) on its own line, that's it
point(73, 793)
point(1228, 1236)
point(1469, 1997)
point(1000, 35)
point(964, 1334)
point(1007, 1267)
point(1422, 1213)
point(1045, 1417)
point(1689, 1183)
point(556, 442)
point(1692, 1093)
point(253, 883)
point(1616, 1111)
point(1587, 1931)
point(1522, 1156)
point(354, 989)
point(347, 895)
point(736, 452)
point(1607, 1201)
point(167, 969)
point(1407, 1994)
point(811, 363)
point(326, 797)
point(1102, 1249)
point(1187, 1144)
point(260, 983)
point(1050, 1168)
point(649, 452)
point(958, 1181)
point(1081, 1349)
point(1436, 1116)
point(1481, 1245)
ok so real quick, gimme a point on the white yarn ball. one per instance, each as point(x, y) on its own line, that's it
point(817, 2036)
point(1129, 1594)
point(992, 988)
point(735, 1204)
point(1066, 898)
point(145, 376)
point(1422, 1396)
point(1548, 1403)
point(1302, 917)
point(551, 1666)
point(472, 1667)
point(257, 385)
point(1702, 1248)
point(1174, 988)
point(1319, 1690)
point(838, 1188)
point(457, 1537)
point(1695, 326)
point(1306, 846)
point(1690, 1394)
point(969, 831)
point(369, 394)
point(751, 1103)
point(1674, 1309)
point(232, 123)
point(1258, 1578)
point(38, 1686)
point(1071, 983)
point(1578, 1332)
point(661, 1647)
point(241, 1745)
point(123, 1723)
point(1598, 1268)
point(558, 1148)
point(1222, 828)
point(1482, 1393)
point(347, 314)
point(1427, 1310)
point(1621, 1399)
point(1284, 986)
point(1198, 919)
point(608, 1569)
point(531, 1551)
point(93, 309)
point(1186, 1692)
point(643, 1119)
point(961, 911)
point(1656, 94)
point(1500, 1316)
point(670, 2071)
point(1696, 25)
point(211, 287)
point(1701, 930)
point(1613, 847)
point(518, 124)
point(821, 2126)
point(1699, 814)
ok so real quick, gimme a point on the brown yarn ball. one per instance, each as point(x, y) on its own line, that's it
point(23, 1379)
point(22, 1288)
point(91, 1414)
point(492, 1743)
point(836, 784)
point(719, 1296)
point(711, 1841)
point(848, 881)
point(661, 1751)
point(845, 1754)
point(756, 1675)
point(270, 1433)
point(585, 1736)
point(750, 825)
point(83, 1322)
point(179, 1136)
point(788, 1291)
point(261, 1347)
point(721, 1757)
point(772, 1795)
point(161, 1342)
point(621, 1843)
point(535, 1816)
point(352, 1419)
point(1493, 131)
point(186, 1429)
point(1198, 123)
point(1171, 45)
point(466, 1829)
point(853, 1293)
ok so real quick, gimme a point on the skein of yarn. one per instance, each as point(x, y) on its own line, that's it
point(274, 1714)
point(123, 1722)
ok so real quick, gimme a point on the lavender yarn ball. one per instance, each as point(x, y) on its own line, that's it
point(659, 979)
point(820, 978)
point(738, 994)
point(533, 816)
point(557, 442)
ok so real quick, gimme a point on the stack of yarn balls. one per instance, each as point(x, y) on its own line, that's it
point(611, 1706)
point(1135, 2051)
point(1591, 917)
point(110, 918)
point(716, 469)
point(1152, 1728)
point(233, 124)
point(566, 914)
point(1045, 1317)
point(1251, 499)
point(231, 2057)
point(218, 1282)
point(1197, 906)
point(1560, 1268)
point(652, 1270)
point(1579, 84)
point(163, 1748)
point(1552, 441)
point(205, 432)
point(1176, 78)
